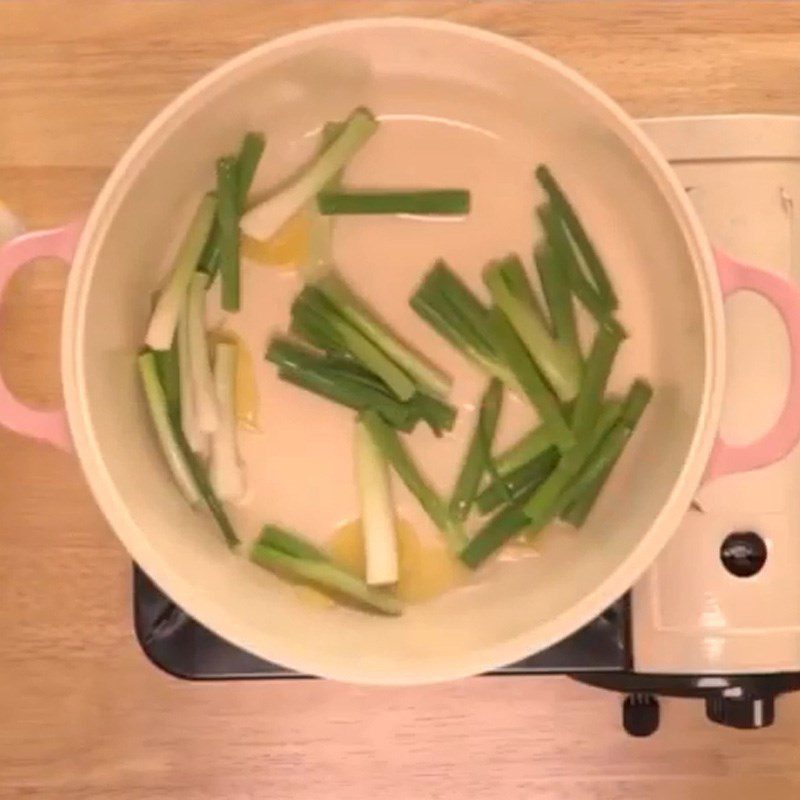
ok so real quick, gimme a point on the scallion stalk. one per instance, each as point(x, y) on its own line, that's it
point(566, 262)
point(211, 500)
point(266, 218)
point(524, 478)
point(530, 380)
point(584, 245)
point(598, 368)
point(533, 443)
point(478, 452)
point(582, 498)
point(428, 201)
point(356, 312)
point(560, 367)
point(454, 312)
point(164, 320)
point(290, 543)
point(344, 381)
point(199, 357)
point(314, 307)
point(228, 232)
point(320, 230)
point(555, 284)
point(377, 510)
point(167, 362)
point(545, 503)
point(250, 152)
point(396, 454)
point(186, 468)
point(227, 475)
point(159, 414)
point(503, 526)
point(327, 576)
point(195, 438)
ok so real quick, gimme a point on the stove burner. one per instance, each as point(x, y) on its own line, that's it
point(598, 654)
point(179, 645)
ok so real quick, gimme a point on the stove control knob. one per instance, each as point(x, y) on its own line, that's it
point(741, 712)
point(640, 714)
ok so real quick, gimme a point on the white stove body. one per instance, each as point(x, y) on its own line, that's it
point(690, 615)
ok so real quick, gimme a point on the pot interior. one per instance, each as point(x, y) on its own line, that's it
point(459, 108)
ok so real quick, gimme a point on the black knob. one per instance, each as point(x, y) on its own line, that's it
point(640, 714)
point(743, 553)
point(746, 713)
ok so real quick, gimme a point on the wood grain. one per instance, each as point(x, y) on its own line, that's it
point(83, 714)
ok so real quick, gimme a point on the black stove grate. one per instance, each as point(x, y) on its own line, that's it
point(176, 643)
point(599, 654)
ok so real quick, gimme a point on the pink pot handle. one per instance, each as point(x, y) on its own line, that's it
point(49, 426)
point(781, 439)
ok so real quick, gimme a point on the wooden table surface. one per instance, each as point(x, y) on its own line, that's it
point(82, 713)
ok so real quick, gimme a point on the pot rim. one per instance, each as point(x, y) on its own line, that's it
point(179, 586)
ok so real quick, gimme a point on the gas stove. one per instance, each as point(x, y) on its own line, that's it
point(718, 614)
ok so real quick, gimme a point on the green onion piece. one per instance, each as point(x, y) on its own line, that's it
point(454, 312)
point(544, 505)
point(377, 510)
point(566, 262)
point(555, 284)
point(290, 543)
point(513, 274)
point(583, 496)
point(326, 575)
point(211, 500)
point(521, 480)
point(320, 229)
point(530, 380)
point(316, 374)
point(164, 320)
point(438, 415)
point(228, 227)
point(396, 454)
point(204, 393)
point(250, 152)
point(561, 369)
point(636, 402)
point(265, 219)
point(165, 430)
point(533, 443)
point(184, 465)
point(225, 467)
point(598, 368)
point(430, 201)
point(204, 485)
point(167, 363)
point(375, 359)
point(312, 306)
point(475, 460)
point(307, 324)
point(344, 381)
point(190, 424)
point(331, 131)
point(584, 245)
point(208, 262)
point(356, 312)
point(504, 525)
point(573, 461)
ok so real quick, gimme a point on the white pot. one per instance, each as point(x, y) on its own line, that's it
point(665, 272)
